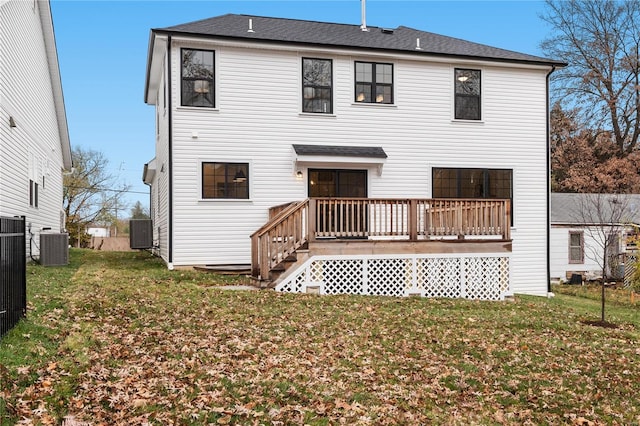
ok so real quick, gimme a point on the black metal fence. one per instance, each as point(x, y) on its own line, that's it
point(13, 273)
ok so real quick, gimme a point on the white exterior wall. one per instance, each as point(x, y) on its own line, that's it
point(593, 250)
point(32, 149)
point(159, 208)
point(258, 117)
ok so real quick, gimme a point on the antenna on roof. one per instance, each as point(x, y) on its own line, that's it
point(363, 25)
point(418, 44)
point(250, 30)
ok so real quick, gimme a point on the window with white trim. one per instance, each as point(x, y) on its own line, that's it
point(576, 247)
point(317, 85)
point(198, 78)
point(225, 180)
point(473, 183)
point(467, 94)
point(373, 83)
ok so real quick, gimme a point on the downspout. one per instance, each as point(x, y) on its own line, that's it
point(553, 68)
point(170, 159)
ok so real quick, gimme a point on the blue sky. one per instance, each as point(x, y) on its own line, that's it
point(102, 51)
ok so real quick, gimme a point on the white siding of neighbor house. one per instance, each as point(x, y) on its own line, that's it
point(258, 117)
point(593, 249)
point(32, 149)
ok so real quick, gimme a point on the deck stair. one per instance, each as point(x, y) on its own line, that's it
point(300, 230)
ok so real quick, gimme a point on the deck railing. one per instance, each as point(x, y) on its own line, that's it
point(294, 225)
point(279, 238)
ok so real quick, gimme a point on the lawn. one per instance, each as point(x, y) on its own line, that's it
point(115, 338)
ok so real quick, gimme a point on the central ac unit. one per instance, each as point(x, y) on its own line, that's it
point(140, 233)
point(54, 249)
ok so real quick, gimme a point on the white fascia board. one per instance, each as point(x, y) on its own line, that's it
point(46, 21)
point(334, 161)
point(321, 159)
point(149, 172)
point(157, 50)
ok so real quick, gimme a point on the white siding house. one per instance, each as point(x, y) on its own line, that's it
point(583, 224)
point(34, 140)
point(257, 112)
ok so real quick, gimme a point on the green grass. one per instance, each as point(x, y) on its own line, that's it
point(116, 338)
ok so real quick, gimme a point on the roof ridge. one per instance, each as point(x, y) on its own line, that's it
point(268, 29)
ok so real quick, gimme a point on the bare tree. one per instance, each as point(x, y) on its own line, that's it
point(90, 192)
point(138, 211)
point(604, 217)
point(600, 40)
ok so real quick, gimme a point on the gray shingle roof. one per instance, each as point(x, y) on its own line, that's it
point(401, 39)
point(566, 208)
point(341, 151)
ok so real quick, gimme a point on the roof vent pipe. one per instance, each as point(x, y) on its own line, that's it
point(418, 44)
point(363, 25)
point(250, 30)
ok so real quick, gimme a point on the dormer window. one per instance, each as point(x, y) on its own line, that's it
point(374, 83)
point(198, 78)
point(317, 82)
point(467, 94)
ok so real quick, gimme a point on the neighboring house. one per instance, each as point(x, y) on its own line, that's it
point(34, 140)
point(414, 159)
point(583, 224)
point(99, 231)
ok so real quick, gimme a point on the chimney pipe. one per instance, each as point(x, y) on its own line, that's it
point(363, 25)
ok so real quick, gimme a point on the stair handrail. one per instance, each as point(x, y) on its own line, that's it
point(265, 253)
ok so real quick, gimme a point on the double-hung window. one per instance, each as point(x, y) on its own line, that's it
point(225, 180)
point(374, 83)
point(576, 247)
point(198, 78)
point(467, 94)
point(317, 82)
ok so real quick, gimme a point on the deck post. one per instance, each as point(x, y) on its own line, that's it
point(255, 264)
point(413, 219)
point(264, 259)
point(506, 233)
point(311, 219)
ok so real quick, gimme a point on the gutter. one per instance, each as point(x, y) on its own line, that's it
point(170, 159)
point(553, 68)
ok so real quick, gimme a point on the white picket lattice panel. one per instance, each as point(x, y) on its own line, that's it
point(468, 276)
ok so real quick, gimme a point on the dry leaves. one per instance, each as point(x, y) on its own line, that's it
point(145, 350)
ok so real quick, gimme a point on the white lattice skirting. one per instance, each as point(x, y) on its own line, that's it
point(483, 276)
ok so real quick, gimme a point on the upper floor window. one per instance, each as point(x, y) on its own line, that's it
point(467, 96)
point(225, 180)
point(198, 78)
point(317, 81)
point(374, 83)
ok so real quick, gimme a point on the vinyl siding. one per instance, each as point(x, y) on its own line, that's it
point(32, 149)
point(160, 185)
point(258, 117)
point(593, 248)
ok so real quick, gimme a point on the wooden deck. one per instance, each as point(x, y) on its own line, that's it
point(355, 226)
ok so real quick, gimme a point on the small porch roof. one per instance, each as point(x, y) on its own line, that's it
point(339, 155)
